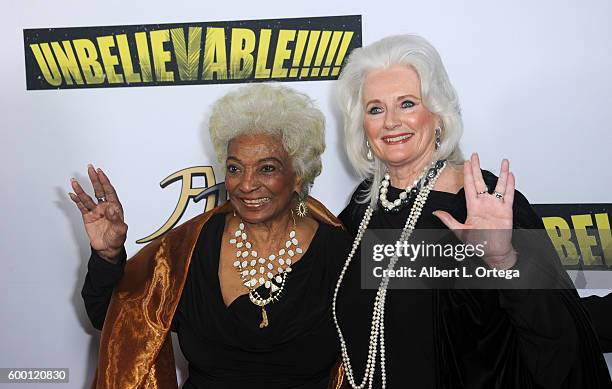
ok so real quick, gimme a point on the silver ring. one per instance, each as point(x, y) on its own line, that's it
point(101, 199)
point(498, 195)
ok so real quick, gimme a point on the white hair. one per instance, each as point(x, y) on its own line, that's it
point(437, 93)
point(276, 110)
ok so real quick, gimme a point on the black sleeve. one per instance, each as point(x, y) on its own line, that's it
point(600, 311)
point(599, 308)
point(101, 278)
point(546, 333)
point(554, 333)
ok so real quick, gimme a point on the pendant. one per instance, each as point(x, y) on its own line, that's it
point(264, 318)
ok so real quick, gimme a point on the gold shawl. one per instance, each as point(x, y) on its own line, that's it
point(135, 346)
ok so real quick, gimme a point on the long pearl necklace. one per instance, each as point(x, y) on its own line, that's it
point(377, 329)
point(247, 261)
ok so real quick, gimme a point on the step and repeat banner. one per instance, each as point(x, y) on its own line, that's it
point(129, 88)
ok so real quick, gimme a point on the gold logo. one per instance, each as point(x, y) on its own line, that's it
point(212, 193)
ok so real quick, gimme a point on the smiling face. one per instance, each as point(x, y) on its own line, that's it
point(400, 129)
point(259, 177)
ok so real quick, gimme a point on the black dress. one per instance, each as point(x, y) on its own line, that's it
point(224, 346)
point(444, 338)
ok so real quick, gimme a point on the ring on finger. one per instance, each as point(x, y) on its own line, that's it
point(498, 195)
point(101, 199)
point(485, 190)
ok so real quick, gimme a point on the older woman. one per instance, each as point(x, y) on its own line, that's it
point(246, 286)
point(402, 128)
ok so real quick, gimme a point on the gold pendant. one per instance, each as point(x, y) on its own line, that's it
point(264, 318)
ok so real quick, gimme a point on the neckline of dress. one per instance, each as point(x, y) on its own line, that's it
point(294, 266)
point(443, 193)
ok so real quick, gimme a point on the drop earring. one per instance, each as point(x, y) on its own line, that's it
point(438, 131)
point(301, 209)
point(369, 155)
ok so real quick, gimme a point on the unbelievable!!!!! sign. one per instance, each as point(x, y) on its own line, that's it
point(300, 49)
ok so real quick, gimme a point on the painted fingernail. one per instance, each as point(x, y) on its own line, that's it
point(89, 165)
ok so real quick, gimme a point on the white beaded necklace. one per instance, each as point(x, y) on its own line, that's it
point(377, 329)
point(247, 258)
point(403, 196)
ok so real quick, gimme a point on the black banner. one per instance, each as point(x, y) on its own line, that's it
point(301, 49)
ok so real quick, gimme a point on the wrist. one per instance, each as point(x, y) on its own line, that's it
point(110, 255)
point(504, 261)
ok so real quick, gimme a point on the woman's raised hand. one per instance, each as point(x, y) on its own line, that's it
point(103, 219)
point(489, 216)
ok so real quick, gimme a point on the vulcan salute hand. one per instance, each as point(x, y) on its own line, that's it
point(103, 220)
point(489, 216)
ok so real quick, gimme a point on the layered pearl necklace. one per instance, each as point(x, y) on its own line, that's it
point(409, 192)
point(256, 271)
point(377, 329)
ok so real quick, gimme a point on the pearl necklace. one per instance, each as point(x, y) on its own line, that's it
point(410, 191)
point(377, 329)
point(247, 260)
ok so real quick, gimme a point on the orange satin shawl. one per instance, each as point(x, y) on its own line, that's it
point(135, 346)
